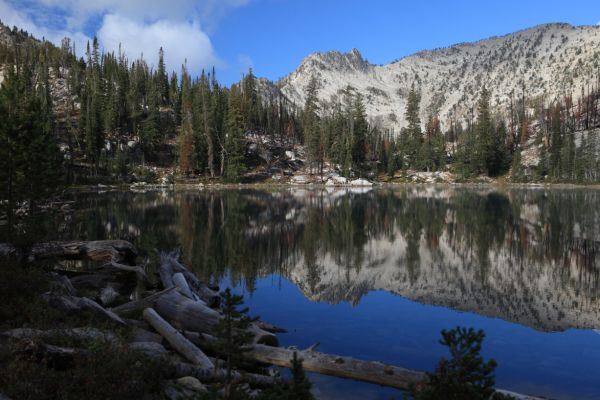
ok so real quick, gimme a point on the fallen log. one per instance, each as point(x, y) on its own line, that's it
point(262, 337)
point(116, 253)
point(189, 315)
point(326, 364)
point(265, 326)
point(186, 348)
point(149, 349)
point(181, 283)
point(98, 250)
point(143, 335)
point(339, 366)
point(220, 375)
point(209, 296)
point(186, 314)
point(138, 305)
point(76, 304)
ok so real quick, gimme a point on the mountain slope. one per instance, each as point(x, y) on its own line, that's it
point(549, 60)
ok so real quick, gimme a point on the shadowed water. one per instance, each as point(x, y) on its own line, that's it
point(378, 273)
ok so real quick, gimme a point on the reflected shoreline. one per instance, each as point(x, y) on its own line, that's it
point(526, 256)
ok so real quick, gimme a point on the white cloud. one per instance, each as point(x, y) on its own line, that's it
point(181, 27)
point(179, 40)
point(10, 16)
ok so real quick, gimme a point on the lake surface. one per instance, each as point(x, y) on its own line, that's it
point(377, 274)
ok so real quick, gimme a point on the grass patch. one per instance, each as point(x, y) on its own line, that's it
point(20, 301)
point(106, 371)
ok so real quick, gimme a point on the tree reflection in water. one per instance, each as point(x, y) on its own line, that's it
point(523, 255)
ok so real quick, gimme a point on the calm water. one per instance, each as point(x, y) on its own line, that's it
point(377, 274)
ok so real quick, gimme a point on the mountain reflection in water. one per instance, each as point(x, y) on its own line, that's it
point(523, 255)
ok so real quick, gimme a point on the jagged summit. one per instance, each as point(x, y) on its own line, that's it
point(550, 60)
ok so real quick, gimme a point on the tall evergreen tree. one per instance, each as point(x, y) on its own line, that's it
point(360, 132)
point(484, 128)
point(412, 134)
point(234, 145)
point(186, 135)
point(29, 157)
point(311, 129)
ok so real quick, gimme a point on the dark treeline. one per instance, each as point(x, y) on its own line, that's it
point(105, 117)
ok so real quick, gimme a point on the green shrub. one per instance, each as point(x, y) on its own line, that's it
point(465, 376)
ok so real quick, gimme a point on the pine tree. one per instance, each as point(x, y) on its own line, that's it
point(556, 143)
point(92, 106)
point(359, 134)
point(484, 130)
point(233, 336)
point(234, 145)
point(465, 375)
point(30, 162)
point(412, 134)
point(311, 129)
point(161, 79)
point(297, 389)
point(250, 102)
point(150, 126)
point(186, 135)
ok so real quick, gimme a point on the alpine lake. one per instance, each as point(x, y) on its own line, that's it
point(377, 273)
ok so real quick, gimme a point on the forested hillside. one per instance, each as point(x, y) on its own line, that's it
point(104, 118)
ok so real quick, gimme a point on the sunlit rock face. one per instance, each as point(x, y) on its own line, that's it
point(550, 60)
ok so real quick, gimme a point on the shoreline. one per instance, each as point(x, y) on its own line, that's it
point(273, 185)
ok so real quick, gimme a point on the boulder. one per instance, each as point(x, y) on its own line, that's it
point(361, 182)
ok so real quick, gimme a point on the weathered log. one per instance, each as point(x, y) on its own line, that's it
point(186, 314)
point(140, 304)
point(98, 250)
point(177, 340)
point(180, 281)
point(209, 296)
point(265, 326)
point(219, 375)
point(143, 335)
point(262, 337)
point(327, 364)
point(97, 279)
point(339, 366)
point(149, 349)
point(117, 253)
point(76, 304)
point(190, 315)
point(136, 269)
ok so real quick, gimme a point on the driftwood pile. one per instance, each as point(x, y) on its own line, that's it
point(176, 320)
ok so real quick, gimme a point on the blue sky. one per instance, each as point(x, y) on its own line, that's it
point(273, 36)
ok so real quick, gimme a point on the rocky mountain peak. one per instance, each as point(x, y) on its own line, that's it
point(549, 61)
